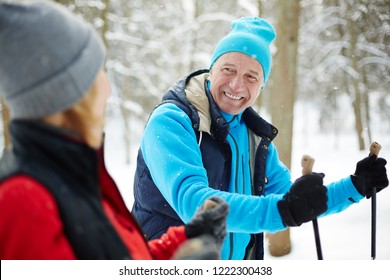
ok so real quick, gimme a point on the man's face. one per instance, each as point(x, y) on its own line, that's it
point(235, 82)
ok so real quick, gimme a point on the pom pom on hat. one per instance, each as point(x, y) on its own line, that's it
point(251, 36)
point(49, 58)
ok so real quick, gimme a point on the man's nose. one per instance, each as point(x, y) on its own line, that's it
point(236, 83)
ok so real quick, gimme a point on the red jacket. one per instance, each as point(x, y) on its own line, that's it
point(31, 226)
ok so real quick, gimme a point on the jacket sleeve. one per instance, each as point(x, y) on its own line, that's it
point(174, 159)
point(30, 225)
point(341, 195)
point(166, 246)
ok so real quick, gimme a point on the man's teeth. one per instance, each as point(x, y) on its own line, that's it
point(232, 96)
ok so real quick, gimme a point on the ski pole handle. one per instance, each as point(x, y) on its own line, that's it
point(375, 148)
point(208, 204)
point(307, 163)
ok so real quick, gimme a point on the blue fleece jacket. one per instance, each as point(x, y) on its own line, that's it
point(171, 152)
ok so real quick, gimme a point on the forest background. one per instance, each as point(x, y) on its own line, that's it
point(326, 51)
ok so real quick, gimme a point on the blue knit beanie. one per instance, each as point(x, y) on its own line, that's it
point(251, 36)
point(49, 58)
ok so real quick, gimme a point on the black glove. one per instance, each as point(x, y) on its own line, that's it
point(211, 221)
point(304, 201)
point(370, 172)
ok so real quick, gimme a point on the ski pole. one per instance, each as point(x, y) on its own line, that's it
point(307, 163)
point(374, 150)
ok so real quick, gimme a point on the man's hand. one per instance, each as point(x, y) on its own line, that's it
point(210, 220)
point(305, 200)
point(370, 172)
point(206, 232)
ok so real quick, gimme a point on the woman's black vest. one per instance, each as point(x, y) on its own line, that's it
point(69, 171)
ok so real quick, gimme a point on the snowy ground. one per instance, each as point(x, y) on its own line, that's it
point(344, 236)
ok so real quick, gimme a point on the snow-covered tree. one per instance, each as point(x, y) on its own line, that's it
point(345, 50)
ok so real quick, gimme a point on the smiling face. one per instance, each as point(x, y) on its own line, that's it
point(235, 82)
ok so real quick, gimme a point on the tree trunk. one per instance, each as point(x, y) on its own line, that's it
point(366, 106)
point(357, 101)
point(260, 7)
point(103, 17)
point(282, 97)
point(192, 44)
point(5, 116)
point(284, 76)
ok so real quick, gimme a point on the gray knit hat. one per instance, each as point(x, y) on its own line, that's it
point(49, 58)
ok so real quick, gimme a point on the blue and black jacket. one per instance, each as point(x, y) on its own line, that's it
point(191, 150)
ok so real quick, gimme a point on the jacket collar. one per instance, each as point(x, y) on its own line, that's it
point(47, 145)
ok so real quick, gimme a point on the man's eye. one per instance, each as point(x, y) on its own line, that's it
point(251, 78)
point(227, 70)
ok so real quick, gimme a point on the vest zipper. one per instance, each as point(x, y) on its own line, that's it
point(236, 191)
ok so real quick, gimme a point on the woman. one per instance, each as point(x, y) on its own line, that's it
point(57, 200)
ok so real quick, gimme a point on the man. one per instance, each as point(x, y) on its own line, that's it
point(57, 200)
point(205, 140)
